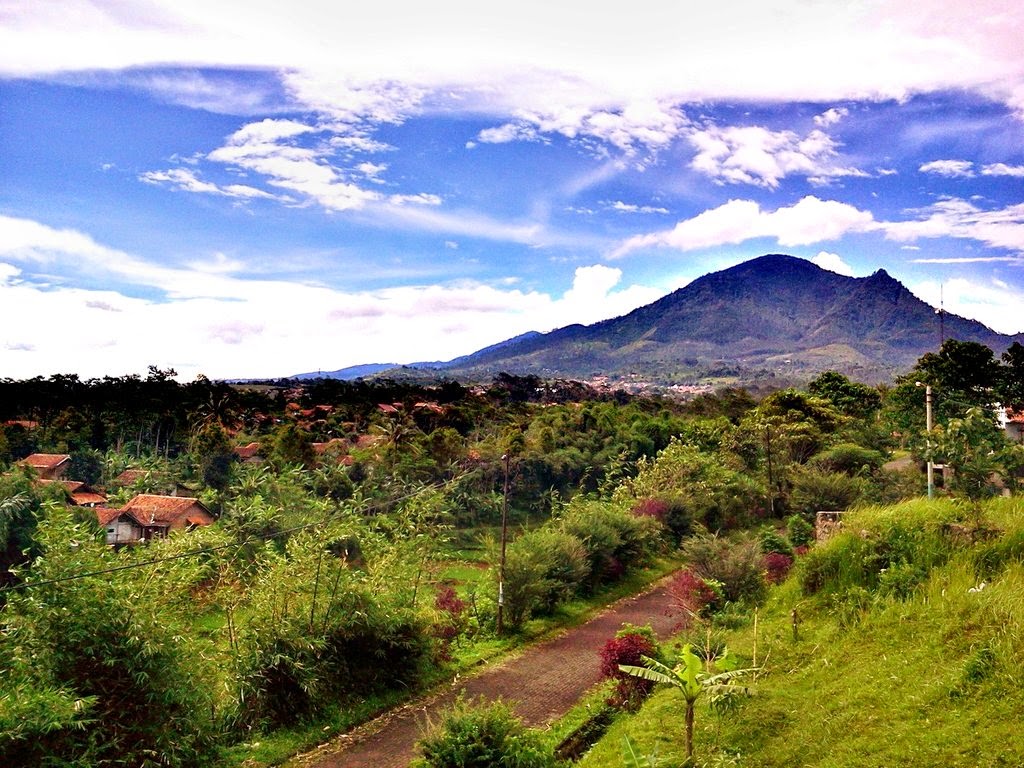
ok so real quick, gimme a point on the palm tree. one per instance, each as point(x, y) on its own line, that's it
point(691, 680)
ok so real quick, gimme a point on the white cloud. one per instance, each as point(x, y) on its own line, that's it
point(188, 181)
point(516, 61)
point(621, 207)
point(833, 262)
point(991, 302)
point(810, 220)
point(215, 322)
point(830, 116)
point(507, 133)
point(1001, 228)
point(1002, 169)
point(759, 156)
point(951, 169)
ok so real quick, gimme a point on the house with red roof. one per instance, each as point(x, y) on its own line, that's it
point(49, 466)
point(149, 516)
point(81, 494)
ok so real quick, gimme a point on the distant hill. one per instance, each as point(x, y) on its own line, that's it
point(775, 315)
point(350, 373)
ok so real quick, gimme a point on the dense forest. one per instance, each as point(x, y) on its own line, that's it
point(353, 551)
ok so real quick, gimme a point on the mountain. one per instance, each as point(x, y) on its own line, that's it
point(350, 373)
point(775, 315)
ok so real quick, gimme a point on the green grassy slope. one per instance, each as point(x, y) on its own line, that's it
point(900, 660)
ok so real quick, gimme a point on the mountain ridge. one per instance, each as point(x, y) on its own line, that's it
point(774, 315)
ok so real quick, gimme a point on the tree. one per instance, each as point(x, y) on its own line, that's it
point(691, 680)
point(1011, 379)
point(849, 397)
point(962, 373)
point(213, 454)
point(974, 448)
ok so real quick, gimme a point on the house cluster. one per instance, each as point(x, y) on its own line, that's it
point(146, 516)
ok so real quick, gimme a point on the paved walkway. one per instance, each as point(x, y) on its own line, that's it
point(542, 684)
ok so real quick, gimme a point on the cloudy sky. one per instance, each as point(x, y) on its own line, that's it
point(238, 190)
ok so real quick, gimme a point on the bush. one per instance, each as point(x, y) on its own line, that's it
point(695, 596)
point(771, 541)
point(735, 564)
point(629, 646)
point(564, 563)
point(485, 736)
point(814, 490)
point(849, 459)
point(776, 566)
point(523, 585)
point(110, 677)
point(614, 538)
point(799, 531)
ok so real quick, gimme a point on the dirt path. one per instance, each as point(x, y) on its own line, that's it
point(543, 683)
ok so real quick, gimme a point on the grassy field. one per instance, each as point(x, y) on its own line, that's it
point(902, 657)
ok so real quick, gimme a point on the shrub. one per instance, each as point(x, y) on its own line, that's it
point(629, 646)
point(771, 541)
point(736, 564)
point(614, 538)
point(776, 566)
point(849, 459)
point(564, 563)
point(695, 596)
point(485, 736)
point(523, 585)
point(799, 531)
point(814, 490)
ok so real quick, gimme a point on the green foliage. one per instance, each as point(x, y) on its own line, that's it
point(799, 531)
point(974, 448)
point(105, 648)
point(691, 679)
point(319, 629)
point(814, 490)
point(483, 736)
point(848, 397)
point(850, 459)
point(735, 564)
point(700, 487)
point(614, 539)
point(892, 552)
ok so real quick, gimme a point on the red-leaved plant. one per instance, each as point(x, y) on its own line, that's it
point(451, 620)
point(776, 567)
point(629, 648)
point(692, 595)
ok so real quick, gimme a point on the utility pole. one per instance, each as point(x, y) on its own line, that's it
point(928, 430)
point(504, 537)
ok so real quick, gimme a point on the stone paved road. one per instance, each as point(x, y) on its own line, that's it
point(542, 684)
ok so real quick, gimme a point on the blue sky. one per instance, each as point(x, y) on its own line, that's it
point(241, 191)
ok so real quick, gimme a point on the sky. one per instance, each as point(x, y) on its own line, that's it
point(262, 189)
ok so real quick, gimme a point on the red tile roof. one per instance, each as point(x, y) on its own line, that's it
point(247, 451)
point(150, 509)
point(129, 476)
point(105, 515)
point(45, 460)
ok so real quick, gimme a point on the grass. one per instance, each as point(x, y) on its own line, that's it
point(932, 678)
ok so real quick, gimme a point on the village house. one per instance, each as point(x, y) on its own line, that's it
point(81, 494)
point(49, 466)
point(149, 516)
point(1012, 423)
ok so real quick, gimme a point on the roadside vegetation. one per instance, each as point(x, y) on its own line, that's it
point(354, 561)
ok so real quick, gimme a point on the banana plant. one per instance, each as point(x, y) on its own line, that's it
point(690, 679)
